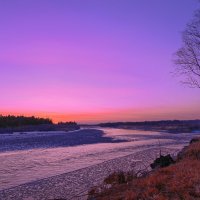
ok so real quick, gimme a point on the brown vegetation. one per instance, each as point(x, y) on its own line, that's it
point(179, 181)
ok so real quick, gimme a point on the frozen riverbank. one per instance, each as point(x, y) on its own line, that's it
point(75, 185)
point(30, 159)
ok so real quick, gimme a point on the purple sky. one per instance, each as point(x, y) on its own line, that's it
point(97, 60)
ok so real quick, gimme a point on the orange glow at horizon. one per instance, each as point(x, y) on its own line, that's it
point(145, 114)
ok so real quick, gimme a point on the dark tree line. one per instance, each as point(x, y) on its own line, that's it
point(67, 123)
point(16, 121)
point(152, 123)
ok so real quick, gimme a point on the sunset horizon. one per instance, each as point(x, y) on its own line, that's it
point(67, 61)
point(145, 114)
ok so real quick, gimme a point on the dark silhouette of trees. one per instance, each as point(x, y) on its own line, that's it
point(16, 121)
point(173, 126)
point(67, 123)
point(187, 58)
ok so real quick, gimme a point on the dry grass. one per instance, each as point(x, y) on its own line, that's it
point(191, 152)
point(180, 181)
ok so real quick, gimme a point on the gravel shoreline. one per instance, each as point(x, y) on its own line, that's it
point(75, 184)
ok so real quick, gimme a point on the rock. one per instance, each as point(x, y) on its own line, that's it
point(194, 140)
point(162, 161)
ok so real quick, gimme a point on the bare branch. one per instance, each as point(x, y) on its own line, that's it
point(187, 58)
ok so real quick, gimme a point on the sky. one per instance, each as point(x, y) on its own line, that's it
point(94, 60)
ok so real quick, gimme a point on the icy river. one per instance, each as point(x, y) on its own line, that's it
point(31, 156)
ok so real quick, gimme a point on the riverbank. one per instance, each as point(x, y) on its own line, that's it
point(70, 126)
point(76, 184)
point(170, 126)
point(180, 180)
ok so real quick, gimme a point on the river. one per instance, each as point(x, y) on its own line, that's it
point(27, 157)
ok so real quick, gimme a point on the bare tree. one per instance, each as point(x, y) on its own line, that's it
point(187, 58)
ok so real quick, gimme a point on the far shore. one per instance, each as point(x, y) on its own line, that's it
point(41, 127)
point(170, 126)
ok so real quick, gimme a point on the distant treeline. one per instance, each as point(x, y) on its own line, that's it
point(67, 123)
point(16, 121)
point(173, 126)
point(151, 123)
